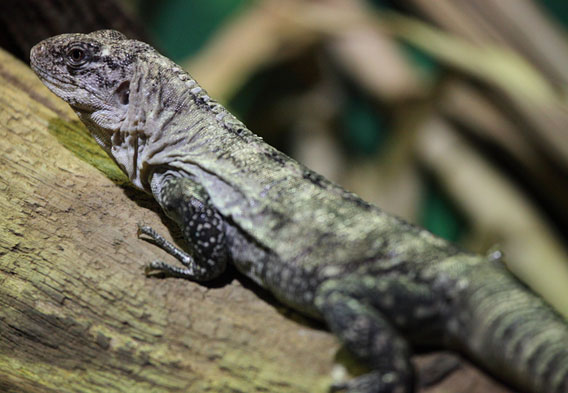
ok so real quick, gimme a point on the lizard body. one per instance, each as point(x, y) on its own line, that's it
point(380, 284)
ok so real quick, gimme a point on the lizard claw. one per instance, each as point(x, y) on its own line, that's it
point(154, 268)
point(149, 269)
point(139, 229)
point(144, 229)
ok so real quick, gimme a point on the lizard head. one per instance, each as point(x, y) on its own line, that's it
point(90, 72)
point(113, 84)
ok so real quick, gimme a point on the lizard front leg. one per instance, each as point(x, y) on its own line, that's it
point(202, 227)
point(368, 335)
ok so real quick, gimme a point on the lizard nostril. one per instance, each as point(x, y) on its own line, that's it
point(37, 50)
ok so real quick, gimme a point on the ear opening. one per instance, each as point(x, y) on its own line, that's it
point(122, 93)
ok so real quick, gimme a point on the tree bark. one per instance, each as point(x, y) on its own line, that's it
point(77, 313)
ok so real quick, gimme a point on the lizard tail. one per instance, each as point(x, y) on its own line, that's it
point(513, 332)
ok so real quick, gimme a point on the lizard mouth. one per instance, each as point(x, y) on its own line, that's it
point(63, 90)
point(61, 87)
point(47, 78)
point(38, 70)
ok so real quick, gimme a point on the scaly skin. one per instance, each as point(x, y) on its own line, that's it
point(382, 285)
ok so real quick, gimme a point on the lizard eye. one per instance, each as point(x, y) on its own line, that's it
point(76, 56)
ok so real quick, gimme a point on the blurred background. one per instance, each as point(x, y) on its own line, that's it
point(451, 113)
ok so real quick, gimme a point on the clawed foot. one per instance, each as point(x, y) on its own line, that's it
point(148, 231)
point(165, 245)
point(162, 269)
point(159, 268)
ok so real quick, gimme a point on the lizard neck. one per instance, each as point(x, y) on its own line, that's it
point(171, 121)
point(160, 108)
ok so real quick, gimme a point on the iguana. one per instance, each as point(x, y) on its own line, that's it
point(380, 284)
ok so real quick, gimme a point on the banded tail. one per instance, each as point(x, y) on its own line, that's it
point(514, 333)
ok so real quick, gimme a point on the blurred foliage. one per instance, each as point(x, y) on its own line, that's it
point(439, 213)
point(364, 128)
point(181, 27)
point(558, 9)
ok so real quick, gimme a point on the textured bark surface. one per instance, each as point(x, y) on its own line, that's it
point(77, 313)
